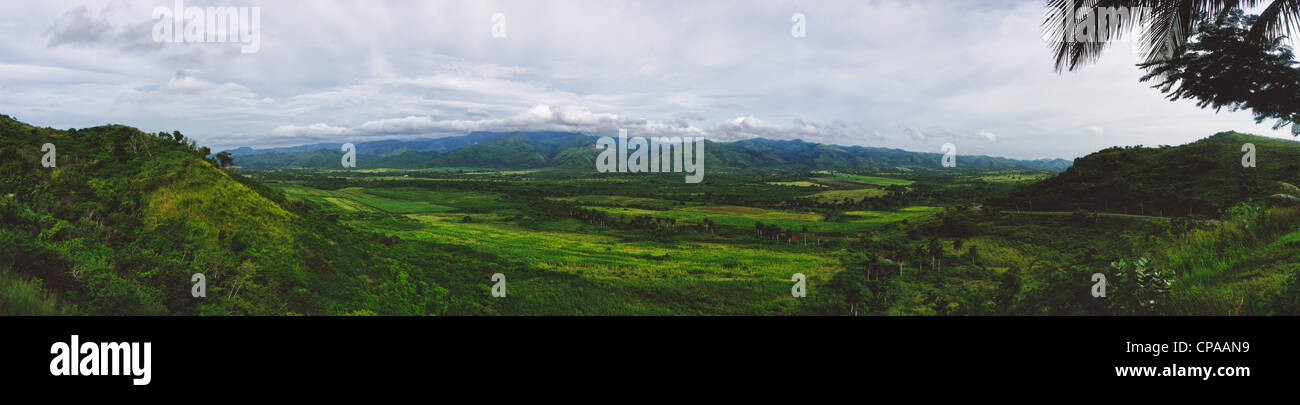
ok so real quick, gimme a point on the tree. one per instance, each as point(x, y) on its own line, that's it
point(936, 250)
point(853, 286)
point(956, 245)
point(1008, 288)
point(863, 284)
point(1240, 65)
point(224, 159)
point(1171, 23)
point(1223, 67)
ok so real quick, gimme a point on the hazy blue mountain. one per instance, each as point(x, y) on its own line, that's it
point(572, 150)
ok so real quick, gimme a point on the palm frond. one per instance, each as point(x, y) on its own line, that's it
point(1279, 18)
point(1167, 27)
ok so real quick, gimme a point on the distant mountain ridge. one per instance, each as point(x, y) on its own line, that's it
point(529, 150)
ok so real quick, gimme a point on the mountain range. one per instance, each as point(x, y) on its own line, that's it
point(531, 150)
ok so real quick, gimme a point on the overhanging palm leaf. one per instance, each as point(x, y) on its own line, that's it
point(1169, 24)
point(1278, 19)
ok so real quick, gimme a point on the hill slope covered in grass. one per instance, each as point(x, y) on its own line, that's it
point(1246, 264)
point(125, 219)
point(1200, 178)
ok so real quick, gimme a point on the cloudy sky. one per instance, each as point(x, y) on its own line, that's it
point(904, 74)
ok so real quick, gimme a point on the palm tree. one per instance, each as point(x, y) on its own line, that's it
point(1170, 23)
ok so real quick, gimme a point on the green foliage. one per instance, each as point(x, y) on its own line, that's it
point(27, 297)
point(1224, 67)
point(1288, 302)
point(1200, 178)
point(126, 218)
point(1237, 265)
point(1137, 287)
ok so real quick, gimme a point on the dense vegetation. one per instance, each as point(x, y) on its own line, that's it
point(1230, 63)
point(125, 219)
point(1200, 178)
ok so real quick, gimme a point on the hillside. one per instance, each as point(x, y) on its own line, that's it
point(125, 219)
point(1200, 178)
point(1248, 263)
point(577, 151)
point(514, 151)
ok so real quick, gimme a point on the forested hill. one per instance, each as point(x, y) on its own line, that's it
point(1199, 178)
point(125, 219)
point(519, 150)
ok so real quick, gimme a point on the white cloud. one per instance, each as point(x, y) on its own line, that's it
point(895, 74)
point(313, 131)
point(572, 119)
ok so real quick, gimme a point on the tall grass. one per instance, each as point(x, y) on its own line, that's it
point(1205, 253)
point(26, 297)
point(1207, 260)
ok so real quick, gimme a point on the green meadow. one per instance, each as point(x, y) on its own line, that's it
point(846, 178)
point(679, 259)
point(575, 243)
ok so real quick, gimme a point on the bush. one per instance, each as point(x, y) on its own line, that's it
point(26, 297)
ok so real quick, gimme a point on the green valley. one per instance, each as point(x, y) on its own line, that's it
point(126, 218)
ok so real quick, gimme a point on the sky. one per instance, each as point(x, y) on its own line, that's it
point(900, 74)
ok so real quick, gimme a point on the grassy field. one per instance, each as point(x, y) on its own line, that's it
point(571, 246)
point(599, 255)
point(705, 273)
point(841, 186)
point(405, 200)
point(746, 217)
point(623, 201)
point(885, 217)
point(1012, 177)
point(795, 184)
point(845, 178)
point(618, 264)
point(834, 196)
